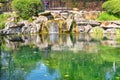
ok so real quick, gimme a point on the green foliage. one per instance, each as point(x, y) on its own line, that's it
point(112, 6)
point(3, 1)
point(27, 8)
point(104, 16)
point(3, 18)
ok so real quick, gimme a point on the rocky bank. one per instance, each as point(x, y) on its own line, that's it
point(62, 22)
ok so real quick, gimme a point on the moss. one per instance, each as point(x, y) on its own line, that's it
point(97, 30)
point(3, 19)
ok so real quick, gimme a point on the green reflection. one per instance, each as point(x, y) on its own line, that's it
point(93, 62)
point(26, 57)
point(82, 65)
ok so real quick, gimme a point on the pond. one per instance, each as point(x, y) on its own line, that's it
point(60, 57)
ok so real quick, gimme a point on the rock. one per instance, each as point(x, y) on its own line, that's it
point(47, 14)
point(19, 24)
point(64, 14)
point(33, 30)
point(34, 18)
point(90, 15)
point(84, 28)
point(71, 25)
point(11, 31)
point(110, 31)
point(75, 9)
point(37, 24)
point(112, 26)
point(27, 25)
point(106, 23)
point(78, 16)
point(116, 22)
point(94, 23)
point(10, 25)
point(82, 21)
point(56, 15)
point(70, 16)
point(44, 13)
point(40, 20)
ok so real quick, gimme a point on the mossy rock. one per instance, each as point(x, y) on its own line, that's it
point(97, 30)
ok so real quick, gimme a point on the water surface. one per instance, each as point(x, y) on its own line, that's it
point(60, 57)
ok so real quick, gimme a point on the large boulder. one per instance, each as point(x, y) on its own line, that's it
point(85, 28)
point(71, 23)
point(26, 27)
point(47, 14)
point(94, 23)
point(10, 25)
point(92, 15)
point(56, 15)
point(64, 14)
point(111, 26)
point(40, 20)
point(37, 24)
point(116, 22)
point(112, 31)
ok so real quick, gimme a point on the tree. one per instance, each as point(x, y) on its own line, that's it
point(27, 8)
point(112, 7)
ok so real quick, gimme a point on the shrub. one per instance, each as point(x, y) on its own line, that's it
point(27, 8)
point(3, 18)
point(3, 1)
point(104, 16)
point(112, 6)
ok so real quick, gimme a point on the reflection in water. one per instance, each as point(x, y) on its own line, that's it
point(41, 72)
point(110, 74)
point(60, 57)
point(72, 42)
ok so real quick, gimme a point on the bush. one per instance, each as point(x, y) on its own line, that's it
point(104, 16)
point(27, 8)
point(3, 1)
point(3, 18)
point(112, 6)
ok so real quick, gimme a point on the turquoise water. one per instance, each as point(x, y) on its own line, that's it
point(60, 57)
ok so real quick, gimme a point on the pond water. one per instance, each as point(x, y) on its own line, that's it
point(60, 57)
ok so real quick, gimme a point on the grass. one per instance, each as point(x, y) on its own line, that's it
point(104, 16)
point(3, 19)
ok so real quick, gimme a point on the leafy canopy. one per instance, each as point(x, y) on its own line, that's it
point(27, 8)
point(112, 6)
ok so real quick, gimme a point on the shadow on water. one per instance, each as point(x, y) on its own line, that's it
point(60, 57)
